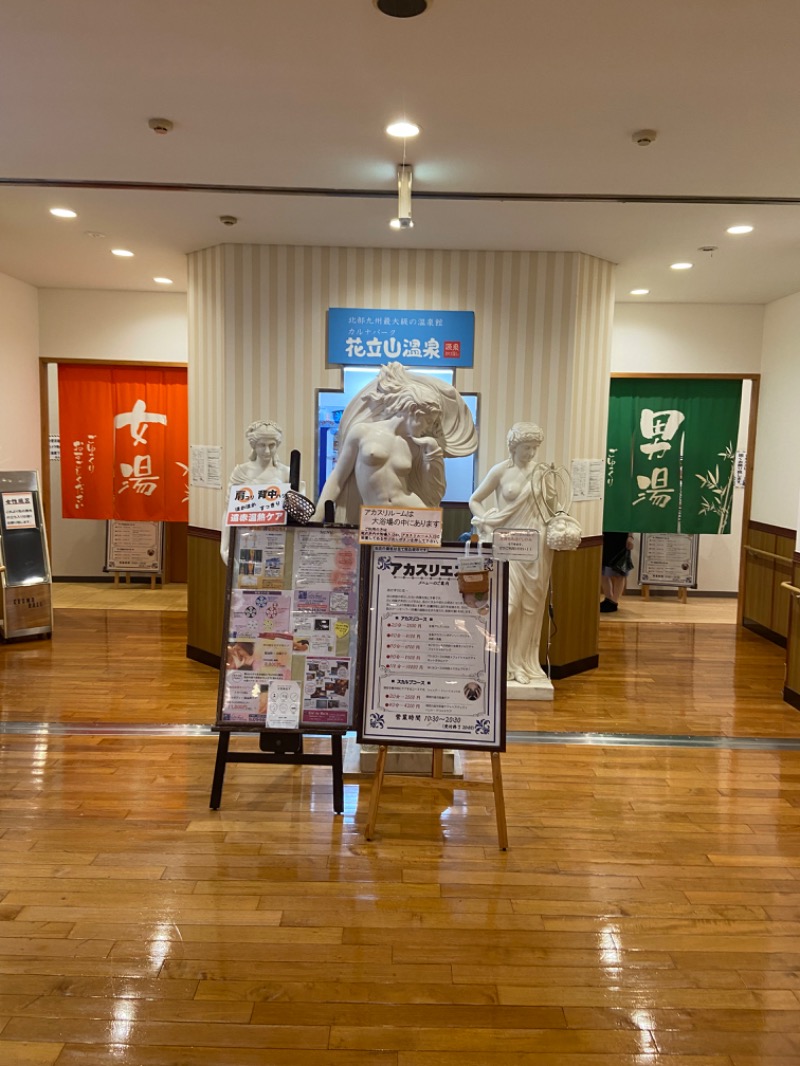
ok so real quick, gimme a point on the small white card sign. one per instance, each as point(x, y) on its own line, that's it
point(256, 505)
point(18, 510)
point(740, 470)
point(283, 705)
point(407, 527)
point(521, 545)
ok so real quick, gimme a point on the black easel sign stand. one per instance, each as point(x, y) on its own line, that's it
point(290, 637)
point(434, 661)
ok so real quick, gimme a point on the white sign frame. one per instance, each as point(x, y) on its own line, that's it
point(668, 560)
point(134, 547)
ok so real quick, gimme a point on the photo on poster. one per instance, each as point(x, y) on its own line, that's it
point(325, 560)
point(256, 613)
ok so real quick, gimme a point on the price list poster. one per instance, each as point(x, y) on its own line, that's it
point(435, 658)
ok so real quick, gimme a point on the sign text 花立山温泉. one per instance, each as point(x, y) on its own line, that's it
point(359, 336)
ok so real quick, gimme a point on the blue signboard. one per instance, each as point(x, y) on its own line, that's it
point(360, 336)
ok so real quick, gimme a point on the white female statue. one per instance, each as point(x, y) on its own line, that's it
point(264, 437)
point(525, 498)
point(393, 438)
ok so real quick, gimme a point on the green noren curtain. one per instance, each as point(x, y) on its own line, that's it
point(671, 454)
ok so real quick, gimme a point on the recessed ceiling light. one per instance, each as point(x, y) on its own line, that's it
point(739, 229)
point(681, 266)
point(122, 252)
point(639, 292)
point(402, 223)
point(403, 128)
point(63, 212)
point(402, 9)
point(163, 281)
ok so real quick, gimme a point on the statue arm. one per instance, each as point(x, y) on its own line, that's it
point(487, 487)
point(341, 473)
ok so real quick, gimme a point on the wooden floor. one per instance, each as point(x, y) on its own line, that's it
point(646, 914)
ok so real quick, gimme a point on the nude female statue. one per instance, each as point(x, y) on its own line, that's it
point(523, 501)
point(393, 438)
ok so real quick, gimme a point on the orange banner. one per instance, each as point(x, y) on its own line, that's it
point(124, 443)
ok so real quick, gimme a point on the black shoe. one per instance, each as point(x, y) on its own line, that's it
point(608, 606)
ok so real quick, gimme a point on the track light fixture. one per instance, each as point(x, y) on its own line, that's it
point(404, 178)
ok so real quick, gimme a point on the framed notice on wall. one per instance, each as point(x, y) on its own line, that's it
point(434, 656)
point(668, 559)
point(290, 629)
point(136, 547)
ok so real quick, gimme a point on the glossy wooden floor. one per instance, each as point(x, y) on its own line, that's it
point(646, 914)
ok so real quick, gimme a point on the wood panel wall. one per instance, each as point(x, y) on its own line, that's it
point(576, 610)
point(206, 596)
point(768, 562)
point(791, 691)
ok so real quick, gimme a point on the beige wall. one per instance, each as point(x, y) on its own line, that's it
point(257, 319)
point(776, 478)
point(687, 338)
point(20, 439)
point(113, 327)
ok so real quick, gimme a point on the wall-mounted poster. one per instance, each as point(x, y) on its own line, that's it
point(435, 658)
point(291, 618)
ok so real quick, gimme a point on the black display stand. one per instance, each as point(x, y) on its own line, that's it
point(282, 749)
point(268, 574)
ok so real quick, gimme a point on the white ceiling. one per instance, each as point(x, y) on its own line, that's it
point(513, 96)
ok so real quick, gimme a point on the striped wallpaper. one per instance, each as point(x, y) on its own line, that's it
point(257, 319)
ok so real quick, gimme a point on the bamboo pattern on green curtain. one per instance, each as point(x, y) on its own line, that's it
point(671, 454)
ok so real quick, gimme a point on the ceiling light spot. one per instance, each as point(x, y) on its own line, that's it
point(402, 9)
point(163, 281)
point(639, 292)
point(160, 126)
point(644, 138)
point(63, 212)
point(402, 128)
point(681, 266)
point(123, 253)
point(739, 229)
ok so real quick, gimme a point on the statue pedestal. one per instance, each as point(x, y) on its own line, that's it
point(540, 689)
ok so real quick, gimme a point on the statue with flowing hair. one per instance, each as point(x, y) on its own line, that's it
point(526, 497)
point(393, 439)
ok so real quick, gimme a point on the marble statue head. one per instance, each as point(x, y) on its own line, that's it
point(524, 433)
point(263, 429)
